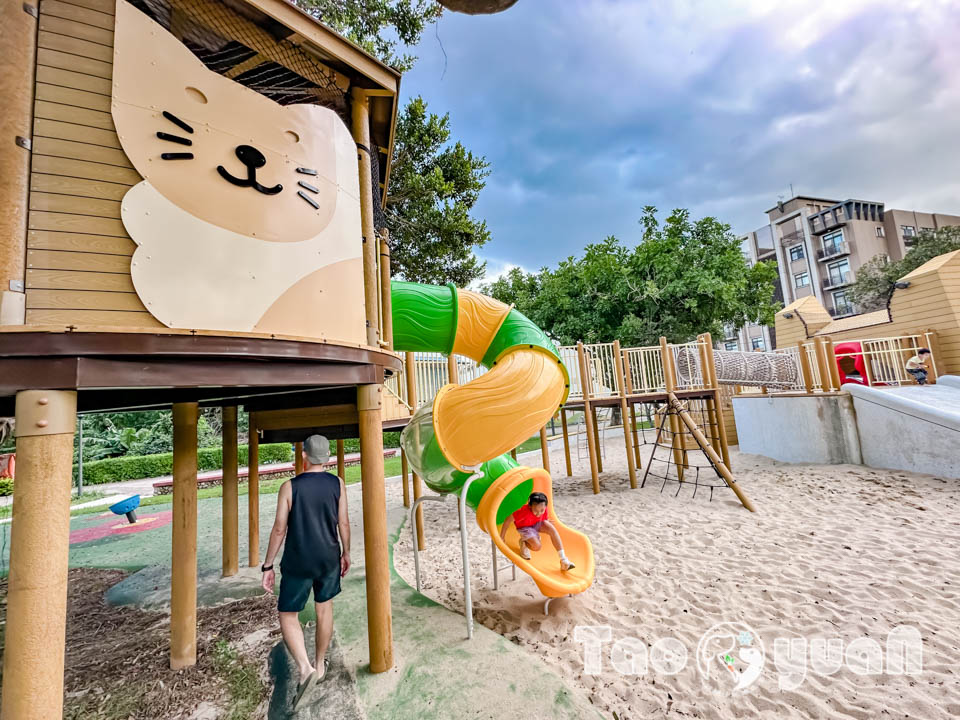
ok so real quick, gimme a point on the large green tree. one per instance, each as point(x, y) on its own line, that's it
point(434, 185)
point(682, 279)
point(876, 277)
point(378, 26)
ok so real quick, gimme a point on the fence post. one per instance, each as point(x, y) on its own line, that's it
point(826, 382)
point(832, 363)
point(805, 373)
point(627, 433)
point(633, 408)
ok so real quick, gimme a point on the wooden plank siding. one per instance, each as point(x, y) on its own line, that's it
point(78, 252)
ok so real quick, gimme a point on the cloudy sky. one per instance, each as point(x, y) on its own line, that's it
point(590, 109)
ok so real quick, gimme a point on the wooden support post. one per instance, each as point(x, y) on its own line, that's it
point(411, 373)
point(712, 412)
point(298, 458)
point(36, 612)
point(670, 382)
point(18, 45)
point(932, 343)
point(361, 135)
point(627, 433)
point(717, 401)
point(376, 547)
point(452, 373)
point(805, 371)
point(544, 449)
point(566, 441)
point(183, 573)
point(628, 377)
point(832, 363)
point(230, 503)
point(405, 476)
point(341, 461)
point(826, 380)
point(588, 417)
point(513, 453)
point(386, 298)
point(710, 452)
point(596, 438)
point(253, 494)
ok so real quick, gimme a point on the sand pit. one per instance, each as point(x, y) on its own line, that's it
point(833, 553)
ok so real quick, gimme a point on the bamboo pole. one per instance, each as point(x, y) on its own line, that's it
point(376, 548)
point(253, 494)
point(832, 363)
point(710, 452)
point(717, 402)
point(18, 46)
point(230, 503)
point(670, 381)
point(566, 441)
point(386, 297)
point(183, 573)
point(588, 417)
point(633, 410)
point(627, 433)
point(412, 402)
point(596, 438)
point(361, 135)
point(36, 602)
point(544, 449)
point(826, 380)
point(298, 458)
point(711, 409)
point(805, 372)
point(341, 461)
point(405, 475)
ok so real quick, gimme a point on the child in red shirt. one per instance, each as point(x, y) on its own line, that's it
point(530, 521)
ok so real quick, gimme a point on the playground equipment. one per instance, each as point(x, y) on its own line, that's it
point(460, 442)
point(128, 507)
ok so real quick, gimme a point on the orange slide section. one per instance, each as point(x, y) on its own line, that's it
point(543, 565)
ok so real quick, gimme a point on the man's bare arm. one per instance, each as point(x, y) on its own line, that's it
point(279, 531)
point(343, 525)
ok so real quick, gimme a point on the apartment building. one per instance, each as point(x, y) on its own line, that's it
point(819, 244)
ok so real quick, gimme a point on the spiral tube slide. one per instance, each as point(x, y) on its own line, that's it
point(472, 426)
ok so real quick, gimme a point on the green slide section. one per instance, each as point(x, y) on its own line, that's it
point(425, 320)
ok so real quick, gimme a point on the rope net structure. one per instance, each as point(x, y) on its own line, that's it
point(765, 369)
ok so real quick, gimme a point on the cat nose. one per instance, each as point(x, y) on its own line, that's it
point(250, 156)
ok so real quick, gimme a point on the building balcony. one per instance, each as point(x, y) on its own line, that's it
point(835, 281)
point(792, 238)
point(833, 251)
point(825, 223)
point(842, 311)
point(910, 240)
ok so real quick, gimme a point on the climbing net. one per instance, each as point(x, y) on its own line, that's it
point(767, 369)
point(678, 457)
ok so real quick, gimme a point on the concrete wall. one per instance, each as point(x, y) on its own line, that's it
point(818, 429)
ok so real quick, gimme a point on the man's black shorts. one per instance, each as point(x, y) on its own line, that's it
point(294, 591)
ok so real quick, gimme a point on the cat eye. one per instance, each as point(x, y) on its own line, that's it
point(196, 95)
point(291, 135)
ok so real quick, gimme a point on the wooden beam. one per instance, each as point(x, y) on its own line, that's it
point(386, 300)
point(588, 417)
point(410, 369)
point(298, 458)
point(341, 414)
point(230, 511)
point(341, 464)
point(670, 381)
point(566, 441)
point(624, 415)
point(805, 372)
point(253, 493)
point(361, 135)
point(717, 401)
point(544, 449)
point(183, 575)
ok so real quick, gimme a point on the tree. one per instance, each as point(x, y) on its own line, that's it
point(875, 278)
point(684, 278)
point(433, 187)
point(377, 25)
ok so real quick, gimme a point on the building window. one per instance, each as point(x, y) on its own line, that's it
point(833, 243)
point(796, 253)
point(756, 343)
point(908, 230)
point(801, 280)
point(839, 272)
point(731, 346)
point(879, 230)
point(842, 303)
point(923, 229)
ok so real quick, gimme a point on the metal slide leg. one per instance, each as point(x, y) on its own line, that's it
point(413, 530)
point(493, 547)
point(467, 599)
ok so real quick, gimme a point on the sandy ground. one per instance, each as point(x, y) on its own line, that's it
point(834, 553)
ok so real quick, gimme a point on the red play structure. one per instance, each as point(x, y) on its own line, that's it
point(850, 363)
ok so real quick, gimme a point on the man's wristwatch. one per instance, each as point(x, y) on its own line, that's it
point(265, 567)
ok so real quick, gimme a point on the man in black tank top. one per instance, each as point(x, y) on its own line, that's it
point(311, 513)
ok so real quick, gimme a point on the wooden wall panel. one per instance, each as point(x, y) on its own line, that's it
point(78, 256)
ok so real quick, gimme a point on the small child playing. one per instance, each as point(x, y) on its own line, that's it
point(530, 521)
point(917, 366)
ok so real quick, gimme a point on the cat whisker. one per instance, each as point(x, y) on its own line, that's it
point(174, 138)
point(176, 156)
point(306, 171)
point(308, 199)
point(307, 186)
point(177, 121)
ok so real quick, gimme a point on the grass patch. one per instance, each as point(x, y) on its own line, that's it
point(244, 686)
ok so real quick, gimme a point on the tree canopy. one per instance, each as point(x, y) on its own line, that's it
point(433, 187)
point(876, 277)
point(682, 279)
point(377, 25)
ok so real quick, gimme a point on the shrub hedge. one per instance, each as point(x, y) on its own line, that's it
point(6, 487)
point(135, 467)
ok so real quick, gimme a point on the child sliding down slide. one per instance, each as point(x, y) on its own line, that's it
point(530, 521)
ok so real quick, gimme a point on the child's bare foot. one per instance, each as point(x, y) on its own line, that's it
point(566, 565)
point(524, 550)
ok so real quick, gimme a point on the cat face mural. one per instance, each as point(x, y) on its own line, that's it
point(248, 217)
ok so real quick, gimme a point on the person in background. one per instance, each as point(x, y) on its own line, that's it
point(917, 366)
